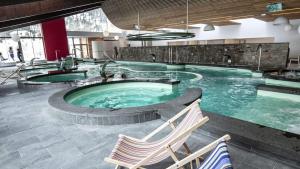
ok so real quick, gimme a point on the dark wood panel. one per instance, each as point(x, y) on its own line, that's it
point(19, 15)
point(15, 2)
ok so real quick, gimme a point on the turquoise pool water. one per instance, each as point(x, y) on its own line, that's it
point(59, 78)
point(229, 92)
point(122, 95)
point(37, 70)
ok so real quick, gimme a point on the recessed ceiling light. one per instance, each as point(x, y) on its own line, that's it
point(209, 27)
point(116, 37)
point(288, 27)
point(281, 21)
point(263, 14)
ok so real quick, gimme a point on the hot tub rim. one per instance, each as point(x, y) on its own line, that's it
point(57, 100)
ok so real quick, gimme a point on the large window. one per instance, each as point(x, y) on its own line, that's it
point(79, 47)
point(30, 42)
point(91, 21)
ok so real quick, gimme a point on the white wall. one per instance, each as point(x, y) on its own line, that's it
point(104, 49)
point(249, 28)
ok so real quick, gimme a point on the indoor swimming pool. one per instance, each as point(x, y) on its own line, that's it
point(226, 91)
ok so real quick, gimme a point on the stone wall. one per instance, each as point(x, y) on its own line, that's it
point(274, 55)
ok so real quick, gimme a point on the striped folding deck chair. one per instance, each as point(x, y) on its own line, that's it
point(135, 153)
point(218, 159)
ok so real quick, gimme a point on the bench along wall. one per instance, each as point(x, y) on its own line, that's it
point(274, 55)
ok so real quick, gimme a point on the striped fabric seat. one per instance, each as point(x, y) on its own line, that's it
point(131, 151)
point(218, 159)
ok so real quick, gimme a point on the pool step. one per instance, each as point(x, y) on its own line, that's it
point(280, 92)
point(281, 82)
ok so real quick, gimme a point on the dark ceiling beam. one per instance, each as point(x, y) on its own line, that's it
point(14, 2)
point(66, 8)
point(14, 24)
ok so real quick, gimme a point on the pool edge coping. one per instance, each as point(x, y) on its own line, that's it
point(58, 102)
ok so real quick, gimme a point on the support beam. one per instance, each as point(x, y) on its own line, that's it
point(55, 39)
point(20, 15)
point(14, 2)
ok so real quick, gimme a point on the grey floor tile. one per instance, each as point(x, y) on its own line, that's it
point(19, 143)
point(280, 165)
point(34, 157)
point(30, 138)
point(9, 158)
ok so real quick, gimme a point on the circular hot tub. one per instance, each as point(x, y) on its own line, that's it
point(120, 102)
point(44, 81)
point(122, 95)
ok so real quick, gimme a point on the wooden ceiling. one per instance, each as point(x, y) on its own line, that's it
point(156, 14)
point(19, 13)
point(14, 2)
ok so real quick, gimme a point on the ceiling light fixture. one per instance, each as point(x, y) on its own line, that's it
point(209, 27)
point(281, 21)
point(288, 27)
point(161, 35)
point(116, 37)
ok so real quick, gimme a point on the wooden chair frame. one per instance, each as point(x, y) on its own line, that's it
point(169, 123)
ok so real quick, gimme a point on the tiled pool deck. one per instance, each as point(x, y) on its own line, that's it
point(31, 138)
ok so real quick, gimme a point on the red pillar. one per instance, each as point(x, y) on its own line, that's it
point(55, 39)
